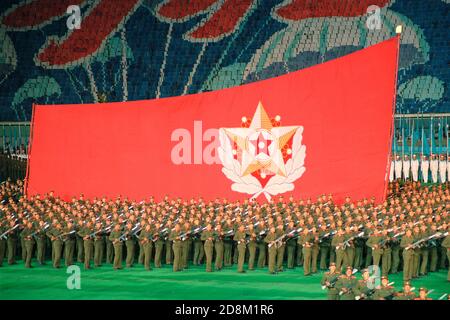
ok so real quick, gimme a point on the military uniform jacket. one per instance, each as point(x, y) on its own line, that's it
point(85, 231)
point(128, 235)
point(348, 283)
point(145, 236)
point(54, 232)
point(205, 237)
point(338, 242)
point(363, 290)
point(269, 238)
point(40, 235)
point(373, 240)
point(406, 241)
point(115, 235)
point(350, 243)
point(228, 232)
point(290, 238)
point(306, 241)
point(173, 236)
point(27, 233)
point(261, 233)
point(67, 236)
point(405, 296)
point(13, 235)
point(324, 241)
point(386, 292)
point(239, 237)
point(332, 278)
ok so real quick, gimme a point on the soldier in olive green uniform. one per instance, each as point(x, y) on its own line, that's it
point(329, 280)
point(395, 246)
point(416, 253)
point(55, 236)
point(228, 244)
point(347, 285)
point(141, 251)
point(359, 249)
point(408, 255)
point(406, 294)
point(208, 237)
point(252, 244)
point(219, 247)
point(424, 251)
point(88, 242)
point(186, 242)
point(349, 255)
point(115, 238)
point(261, 233)
point(12, 243)
point(23, 250)
point(374, 243)
point(175, 237)
point(324, 246)
point(385, 292)
point(129, 245)
point(280, 248)
point(68, 239)
point(158, 238)
point(305, 240)
point(386, 257)
point(41, 240)
point(99, 245)
point(291, 243)
point(433, 250)
point(240, 237)
point(109, 245)
point(147, 245)
point(28, 241)
point(198, 244)
point(80, 245)
point(168, 244)
point(338, 244)
point(314, 250)
point(364, 289)
point(272, 246)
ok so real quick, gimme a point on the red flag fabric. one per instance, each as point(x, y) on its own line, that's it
point(325, 129)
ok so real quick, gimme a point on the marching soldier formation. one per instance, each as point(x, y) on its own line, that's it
point(408, 232)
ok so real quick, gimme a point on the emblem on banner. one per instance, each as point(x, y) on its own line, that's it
point(262, 157)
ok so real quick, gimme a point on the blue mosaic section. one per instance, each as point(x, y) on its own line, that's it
point(160, 49)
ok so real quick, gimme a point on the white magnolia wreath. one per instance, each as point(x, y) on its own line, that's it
point(249, 184)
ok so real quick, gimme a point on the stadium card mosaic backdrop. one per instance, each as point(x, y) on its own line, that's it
point(135, 49)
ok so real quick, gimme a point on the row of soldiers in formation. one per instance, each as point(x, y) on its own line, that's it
point(347, 287)
point(14, 168)
point(408, 230)
point(411, 168)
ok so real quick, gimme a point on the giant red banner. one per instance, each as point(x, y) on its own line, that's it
point(324, 129)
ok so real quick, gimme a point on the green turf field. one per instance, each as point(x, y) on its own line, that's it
point(45, 282)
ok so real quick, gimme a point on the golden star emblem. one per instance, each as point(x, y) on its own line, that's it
point(261, 144)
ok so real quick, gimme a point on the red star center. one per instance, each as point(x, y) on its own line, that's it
point(261, 144)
